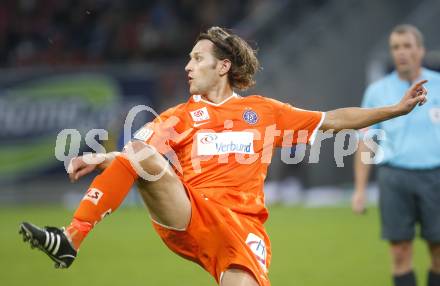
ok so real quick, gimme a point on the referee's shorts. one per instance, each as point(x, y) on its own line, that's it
point(408, 197)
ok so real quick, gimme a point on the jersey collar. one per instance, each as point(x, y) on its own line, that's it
point(199, 98)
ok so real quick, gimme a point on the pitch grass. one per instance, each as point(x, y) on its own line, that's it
point(311, 247)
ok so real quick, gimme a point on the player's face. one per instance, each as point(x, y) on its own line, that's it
point(202, 68)
point(406, 52)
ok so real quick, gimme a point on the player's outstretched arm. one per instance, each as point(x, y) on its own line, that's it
point(80, 167)
point(357, 118)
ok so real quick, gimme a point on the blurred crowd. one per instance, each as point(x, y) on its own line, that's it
point(75, 32)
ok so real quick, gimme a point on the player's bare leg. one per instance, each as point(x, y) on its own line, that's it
point(401, 255)
point(165, 198)
point(237, 277)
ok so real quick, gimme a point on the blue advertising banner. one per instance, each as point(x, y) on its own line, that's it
point(35, 108)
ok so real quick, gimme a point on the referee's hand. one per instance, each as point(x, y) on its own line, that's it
point(358, 202)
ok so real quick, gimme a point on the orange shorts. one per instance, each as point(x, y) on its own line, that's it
point(218, 238)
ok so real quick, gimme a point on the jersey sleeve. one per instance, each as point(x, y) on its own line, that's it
point(303, 123)
point(163, 132)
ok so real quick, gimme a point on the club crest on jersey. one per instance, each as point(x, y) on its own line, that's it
point(250, 116)
point(200, 114)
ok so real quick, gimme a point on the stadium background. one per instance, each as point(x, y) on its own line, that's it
point(84, 64)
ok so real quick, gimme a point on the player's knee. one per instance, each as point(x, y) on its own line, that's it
point(135, 146)
point(145, 158)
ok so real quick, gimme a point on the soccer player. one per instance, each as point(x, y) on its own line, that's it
point(409, 174)
point(206, 199)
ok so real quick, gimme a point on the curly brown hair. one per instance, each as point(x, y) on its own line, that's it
point(244, 62)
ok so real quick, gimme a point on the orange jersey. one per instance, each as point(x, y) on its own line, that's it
point(222, 151)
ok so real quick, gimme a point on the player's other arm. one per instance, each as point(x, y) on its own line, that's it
point(357, 117)
point(79, 167)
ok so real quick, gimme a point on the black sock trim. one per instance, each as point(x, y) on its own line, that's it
point(407, 279)
point(433, 278)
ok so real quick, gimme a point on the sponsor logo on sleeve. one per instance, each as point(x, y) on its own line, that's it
point(143, 134)
point(224, 143)
point(200, 114)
